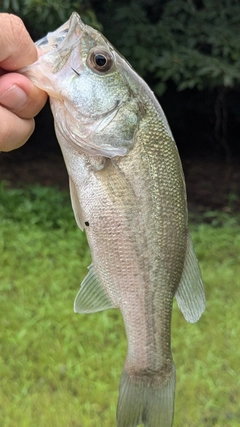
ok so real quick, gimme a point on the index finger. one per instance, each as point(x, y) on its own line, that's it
point(17, 49)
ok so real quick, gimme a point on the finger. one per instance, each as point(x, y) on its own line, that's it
point(20, 95)
point(14, 132)
point(14, 39)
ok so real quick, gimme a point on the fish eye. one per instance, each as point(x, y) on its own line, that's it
point(100, 61)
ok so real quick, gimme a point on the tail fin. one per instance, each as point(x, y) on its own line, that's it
point(146, 400)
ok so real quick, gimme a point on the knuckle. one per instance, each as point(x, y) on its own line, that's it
point(16, 25)
point(14, 131)
point(15, 43)
point(18, 32)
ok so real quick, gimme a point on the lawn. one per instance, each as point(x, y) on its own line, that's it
point(62, 369)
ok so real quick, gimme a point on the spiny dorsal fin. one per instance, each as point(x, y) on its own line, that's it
point(92, 296)
point(190, 293)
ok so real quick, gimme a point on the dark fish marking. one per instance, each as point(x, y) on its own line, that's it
point(75, 71)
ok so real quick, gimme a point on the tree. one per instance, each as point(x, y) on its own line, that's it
point(40, 16)
point(193, 44)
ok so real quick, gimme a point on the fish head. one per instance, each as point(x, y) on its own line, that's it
point(94, 92)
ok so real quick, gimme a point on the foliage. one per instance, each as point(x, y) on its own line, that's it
point(193, 43)
point(42, 206)
point(59, 368)
point(41, 16)
point(181, 44)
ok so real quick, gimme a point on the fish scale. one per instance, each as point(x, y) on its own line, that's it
point(128, 194)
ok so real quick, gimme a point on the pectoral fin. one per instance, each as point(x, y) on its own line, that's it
point(190, 293)
point(92, 296)
point(76, 205)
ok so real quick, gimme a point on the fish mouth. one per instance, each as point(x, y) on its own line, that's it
point(55, 40)
point(54, 50)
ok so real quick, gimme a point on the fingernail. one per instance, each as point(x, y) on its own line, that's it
point(14, 98)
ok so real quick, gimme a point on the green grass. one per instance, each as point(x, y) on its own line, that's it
point(61, 369)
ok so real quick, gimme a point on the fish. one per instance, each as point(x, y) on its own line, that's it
point(128, 194)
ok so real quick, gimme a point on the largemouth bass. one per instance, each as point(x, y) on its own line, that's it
point(128, 194)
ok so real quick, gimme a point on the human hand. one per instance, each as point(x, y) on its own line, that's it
point(20, 100)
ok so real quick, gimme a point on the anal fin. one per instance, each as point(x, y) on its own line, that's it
point(92, 297)
point(190, 293)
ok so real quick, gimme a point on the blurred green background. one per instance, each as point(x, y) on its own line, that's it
point(62, 369)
